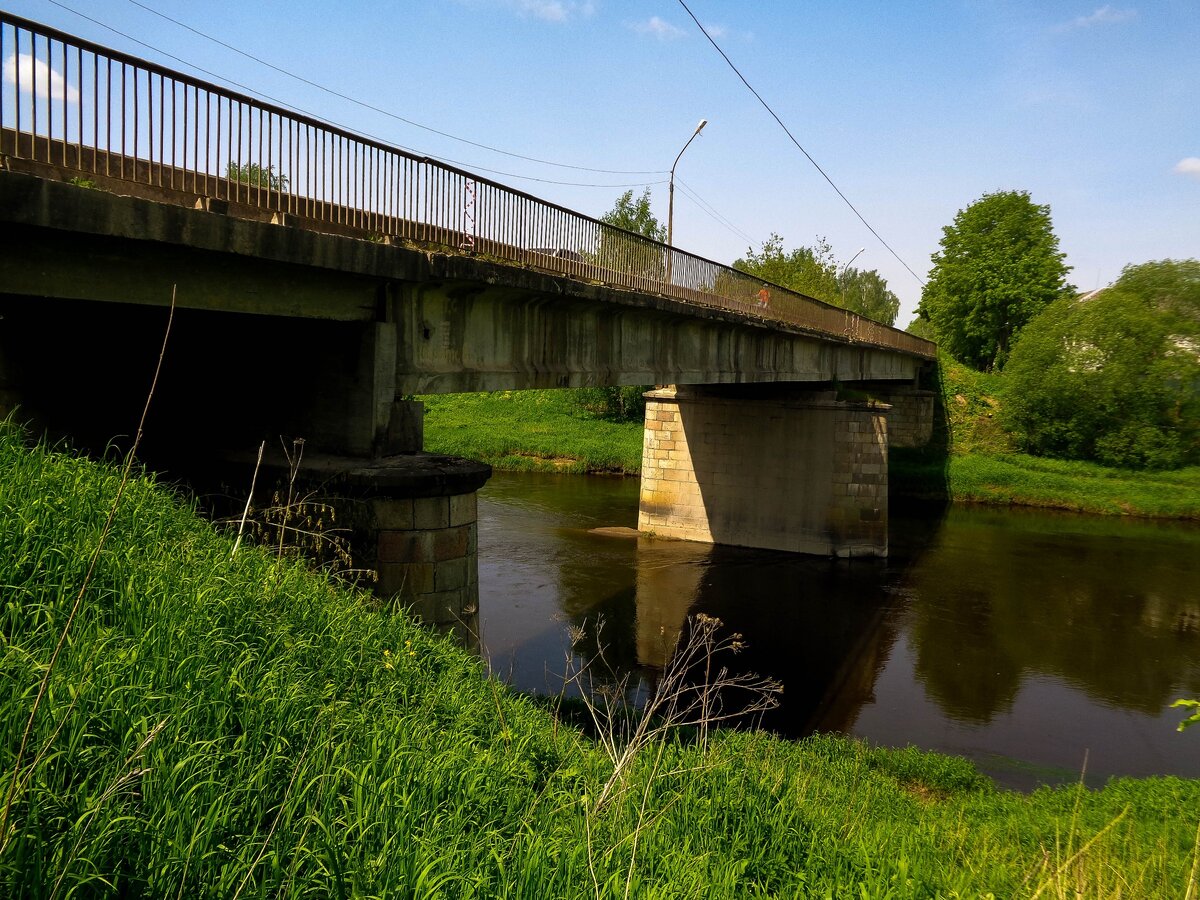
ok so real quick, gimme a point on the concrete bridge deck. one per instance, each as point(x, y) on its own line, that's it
point(321, 279)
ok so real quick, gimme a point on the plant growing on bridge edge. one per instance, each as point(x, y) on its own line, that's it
point(256, 175)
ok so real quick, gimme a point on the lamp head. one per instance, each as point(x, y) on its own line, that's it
point(700, 127)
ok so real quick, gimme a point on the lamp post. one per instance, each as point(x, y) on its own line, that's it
point(845, 269)
point(671, 198)
point(852, 259)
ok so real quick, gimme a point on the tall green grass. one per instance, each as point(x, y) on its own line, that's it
point(237, 726)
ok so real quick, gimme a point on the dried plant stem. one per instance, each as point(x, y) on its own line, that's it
point(1192, 878)
point(274, 822)
point(249, 497)
point(87, 578)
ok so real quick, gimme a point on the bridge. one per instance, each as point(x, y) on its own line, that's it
point(322, 278)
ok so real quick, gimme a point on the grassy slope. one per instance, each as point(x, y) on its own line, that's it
point(218, 725)
point(984, 466)
point(546, 430)
point(531, 431)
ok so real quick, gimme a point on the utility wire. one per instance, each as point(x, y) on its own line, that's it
point(786, 131)
point(385, 112)
point(711, 211)
point(283, 103)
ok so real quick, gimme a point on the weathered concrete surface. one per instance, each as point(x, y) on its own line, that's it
point(460, 323)
point(806, 474)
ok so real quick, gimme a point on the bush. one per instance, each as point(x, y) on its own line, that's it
point(617, 404)
point(1113, 378)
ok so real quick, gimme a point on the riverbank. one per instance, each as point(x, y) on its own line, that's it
point(549, 431)
point(224, 724)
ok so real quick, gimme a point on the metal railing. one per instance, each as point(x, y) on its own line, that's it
point(81, 108)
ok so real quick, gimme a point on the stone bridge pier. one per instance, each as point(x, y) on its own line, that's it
point(773, 466)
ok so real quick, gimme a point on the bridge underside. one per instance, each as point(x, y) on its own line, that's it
point(287, 329)
point(283, 331)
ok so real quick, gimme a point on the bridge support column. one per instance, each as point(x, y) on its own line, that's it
point(911, 413)
point(760, 467)
point(412, 519)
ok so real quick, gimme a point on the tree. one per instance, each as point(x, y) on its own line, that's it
point(806, 270)
point(866, 293)
point(623, 253)
point(635, 215)
point(999, 266)
point(814, 272)
point(1114, 377)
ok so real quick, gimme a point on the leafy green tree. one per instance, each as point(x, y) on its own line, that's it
point(623, 253)
point(806, 270)
point(618, 251)
point(999, 266)
point(866, 293)
point(814, 272)
point(635, 215)
point(1114, 377)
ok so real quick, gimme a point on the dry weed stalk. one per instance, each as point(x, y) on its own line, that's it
point(297, 525)
point(677, 699)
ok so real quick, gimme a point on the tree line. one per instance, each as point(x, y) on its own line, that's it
point(1111, 376)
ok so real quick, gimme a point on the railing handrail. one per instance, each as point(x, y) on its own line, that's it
point(638, 275)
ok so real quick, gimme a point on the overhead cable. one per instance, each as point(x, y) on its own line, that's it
point(808, 156)
point(388, 113)
point(711, 211)
point(366, 134)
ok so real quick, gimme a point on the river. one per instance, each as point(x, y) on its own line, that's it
point(1027, 641)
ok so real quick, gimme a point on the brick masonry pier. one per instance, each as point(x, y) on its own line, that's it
point(412, 518)
point(782, 470)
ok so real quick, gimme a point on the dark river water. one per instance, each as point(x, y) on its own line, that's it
point(1025, 641)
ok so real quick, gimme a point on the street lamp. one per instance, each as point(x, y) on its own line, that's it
point(671, 195)
point(852, 259)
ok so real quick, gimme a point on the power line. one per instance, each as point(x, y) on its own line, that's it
point(265, 96)
point(711, 211)
point(786, 131)
point(385, 112)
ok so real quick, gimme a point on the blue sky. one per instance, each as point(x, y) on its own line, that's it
point(914, 110)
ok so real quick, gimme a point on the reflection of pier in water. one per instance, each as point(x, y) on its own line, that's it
point(821, 627)
point(996, 635)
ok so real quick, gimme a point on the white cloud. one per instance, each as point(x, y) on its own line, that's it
point(717, 31)
point(555, 10)
point(1189, 165)
point(659, 28)
point(1105, 15)
point(48, 82)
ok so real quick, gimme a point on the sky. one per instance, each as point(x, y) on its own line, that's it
point(913, 110)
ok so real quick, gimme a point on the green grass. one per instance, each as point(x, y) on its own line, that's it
point(223, 727)
point(531, 431)
point(1020, 479)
